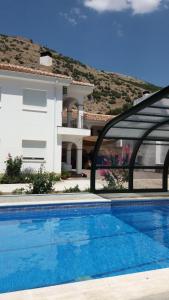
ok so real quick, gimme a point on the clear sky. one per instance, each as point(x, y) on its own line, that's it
point(125, 36)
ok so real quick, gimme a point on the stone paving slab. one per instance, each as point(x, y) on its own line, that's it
point(6, 200)
point(49, 199)
point(151, 285)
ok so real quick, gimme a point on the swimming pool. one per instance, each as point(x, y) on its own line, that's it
point(54, 244)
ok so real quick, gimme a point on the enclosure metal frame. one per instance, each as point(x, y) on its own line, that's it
point(151, 100)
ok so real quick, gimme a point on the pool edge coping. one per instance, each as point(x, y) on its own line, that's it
point(129, 287)
point(71, 198)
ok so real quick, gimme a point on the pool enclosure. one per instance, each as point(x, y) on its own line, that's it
point(132, 151)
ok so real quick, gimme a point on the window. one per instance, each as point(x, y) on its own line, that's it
point(34, 150)
point(34, 98)
point(64, 90)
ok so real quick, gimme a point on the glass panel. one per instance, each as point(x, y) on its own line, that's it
point(163, 102)
point(112, 179)
point(163, 148)
point(165, 127)
point(160, 134)
point(136, 125)
point(115, 153)
point(121, 133)
point(147, 179)
point(156, 111)
point(152, 119)
point(152, 154)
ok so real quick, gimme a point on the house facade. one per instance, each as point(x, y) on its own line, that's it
point(31, 116)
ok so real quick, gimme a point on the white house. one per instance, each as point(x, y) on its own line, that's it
point(31, 109)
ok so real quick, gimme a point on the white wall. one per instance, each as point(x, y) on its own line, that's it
point(19, 122)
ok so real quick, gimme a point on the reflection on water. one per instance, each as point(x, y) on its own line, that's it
point(50, 250)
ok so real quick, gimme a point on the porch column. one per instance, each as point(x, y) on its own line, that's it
point(79, 161)
point(80, 116)
point(69, 117)
point(68, 153)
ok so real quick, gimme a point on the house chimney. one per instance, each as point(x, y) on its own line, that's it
point(46, 60)
point(145, 95)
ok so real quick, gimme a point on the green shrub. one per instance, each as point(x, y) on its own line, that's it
point(28, 175)
point(55, 176)
point(65, 175)
point(9, 180)
point(42, 183)
point(18, 191)
point(115, 179)
point(13, 166)
point(13, 170)
point(115, 111)
point(13, 173)
point(74, 189)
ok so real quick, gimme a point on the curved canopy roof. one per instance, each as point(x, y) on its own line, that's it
point(152, 114)
point(146, 121)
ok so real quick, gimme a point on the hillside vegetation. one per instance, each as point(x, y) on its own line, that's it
point(113, 92)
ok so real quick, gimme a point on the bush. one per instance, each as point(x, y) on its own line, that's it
point(9, 180)
point(115, 179)
point(13, 166)
point(74, 189)
point(13, 173)
point(18, 191)
point(13, 170)
point(65, 175)
point(42, 183)
point(55, 177)
point(28, 175)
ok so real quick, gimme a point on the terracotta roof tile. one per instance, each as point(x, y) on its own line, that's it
point(83, 83)
point(16, 68)
point(91, 116)
point(97, 117)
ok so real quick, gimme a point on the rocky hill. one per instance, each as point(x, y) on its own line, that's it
point(113, 92)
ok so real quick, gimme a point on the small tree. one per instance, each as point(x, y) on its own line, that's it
point(13, 166)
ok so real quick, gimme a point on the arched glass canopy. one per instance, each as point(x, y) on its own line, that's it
point(132, 151)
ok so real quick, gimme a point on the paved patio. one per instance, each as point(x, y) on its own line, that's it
point(83, 184)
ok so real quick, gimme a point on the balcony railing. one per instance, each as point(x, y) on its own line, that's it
point(73, 123)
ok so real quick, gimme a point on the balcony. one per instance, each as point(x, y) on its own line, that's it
point(73, 120)
point(70, 131)
point(70, 125)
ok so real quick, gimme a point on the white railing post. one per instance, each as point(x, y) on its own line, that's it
point(80, 116)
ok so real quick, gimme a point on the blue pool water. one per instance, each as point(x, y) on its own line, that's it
point(49, 245)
